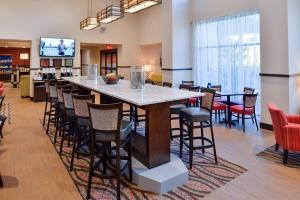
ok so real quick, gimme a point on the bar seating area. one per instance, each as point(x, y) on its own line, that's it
point(150, 100)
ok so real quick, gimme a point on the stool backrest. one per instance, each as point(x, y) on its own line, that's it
point(194, 88)
point(207, 100)
point(68, 99)
point(52, 90)
point(167, 84)
point(60, 95)
point(248, 90)
point(80, 103)
point(190, 83)
point(250, 100)
point(47, 87)
point(217, 88)
point(105, 118)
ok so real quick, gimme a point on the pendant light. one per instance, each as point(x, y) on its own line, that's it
point(110, 13)
point(133, 6)
point(89, 23)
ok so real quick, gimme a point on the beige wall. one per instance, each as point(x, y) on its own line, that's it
point(31, 19)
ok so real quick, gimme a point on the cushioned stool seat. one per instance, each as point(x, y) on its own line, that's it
point(175, 109)
point(195, 114)
point(125, 130)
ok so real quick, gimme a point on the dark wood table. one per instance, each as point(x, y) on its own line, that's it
point(153, 148)
point(228, 101)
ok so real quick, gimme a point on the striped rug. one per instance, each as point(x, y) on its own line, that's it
point(277, 156)
point(204, 178)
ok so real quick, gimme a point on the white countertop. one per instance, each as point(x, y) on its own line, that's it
point(151, 94)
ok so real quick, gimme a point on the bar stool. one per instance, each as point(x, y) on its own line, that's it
point(107, 127)
point(82, 131)
point(174, 112)
point(68, 130)
point(47, 100)
point(52, 113)
point(189, 116)
point(61, 109)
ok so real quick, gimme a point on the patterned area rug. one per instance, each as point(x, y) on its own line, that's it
point(204, 178)
point(277, 156)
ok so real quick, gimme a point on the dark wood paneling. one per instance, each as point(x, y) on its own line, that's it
point(265, 126)
point(279, 75)
point(177, 69)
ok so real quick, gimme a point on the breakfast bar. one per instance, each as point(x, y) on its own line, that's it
point(153, 148)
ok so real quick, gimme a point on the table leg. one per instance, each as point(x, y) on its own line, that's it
point(153, 149)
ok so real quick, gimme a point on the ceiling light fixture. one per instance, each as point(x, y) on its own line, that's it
point(110, 14)
point(89, 23)
point(133, 6)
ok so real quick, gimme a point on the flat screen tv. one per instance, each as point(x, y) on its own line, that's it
point(57, 47)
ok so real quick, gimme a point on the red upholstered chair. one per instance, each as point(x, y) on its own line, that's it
point(1, 91)
point(286, 130)
point(218, 107)
point(245, 110)
point(1, 84)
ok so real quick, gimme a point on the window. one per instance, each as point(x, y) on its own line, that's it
point(227, 52)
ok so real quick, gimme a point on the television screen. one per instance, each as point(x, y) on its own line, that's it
point(56, 47)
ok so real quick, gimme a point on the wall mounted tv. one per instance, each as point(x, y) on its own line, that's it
point(57, 47)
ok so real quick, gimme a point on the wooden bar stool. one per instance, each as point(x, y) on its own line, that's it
point(82, 126)
point(109, 133)
point(202, 115)
point(68, 130)
point(52, 113)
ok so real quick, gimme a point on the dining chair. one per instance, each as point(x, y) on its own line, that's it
point(188, 119)
point(218, 106)
point(82, 125)
point(109, 133)
point(190, 83)
point(167, 84)
point(194, 101)
point(247, 109)
point(248, 90)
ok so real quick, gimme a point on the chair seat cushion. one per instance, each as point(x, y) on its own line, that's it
point(125, 130)
point(2, 118)
point(219, 106)
point(70, 113)
point(193, 100)
point(239, 110)
point(83, 122)
point(175, 109)
point(195, 114)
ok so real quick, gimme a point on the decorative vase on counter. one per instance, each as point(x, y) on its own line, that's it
point(137, 77)
point(92, 71)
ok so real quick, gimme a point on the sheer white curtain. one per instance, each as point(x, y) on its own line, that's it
point(226, 51)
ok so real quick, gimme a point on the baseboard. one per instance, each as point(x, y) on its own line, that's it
point(265, 126)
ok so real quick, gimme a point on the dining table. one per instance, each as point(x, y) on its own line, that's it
point(152, 148)
point(228, 96)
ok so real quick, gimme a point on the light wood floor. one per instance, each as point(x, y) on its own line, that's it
point(32, 170)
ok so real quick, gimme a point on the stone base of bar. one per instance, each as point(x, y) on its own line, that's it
point(161, 179)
